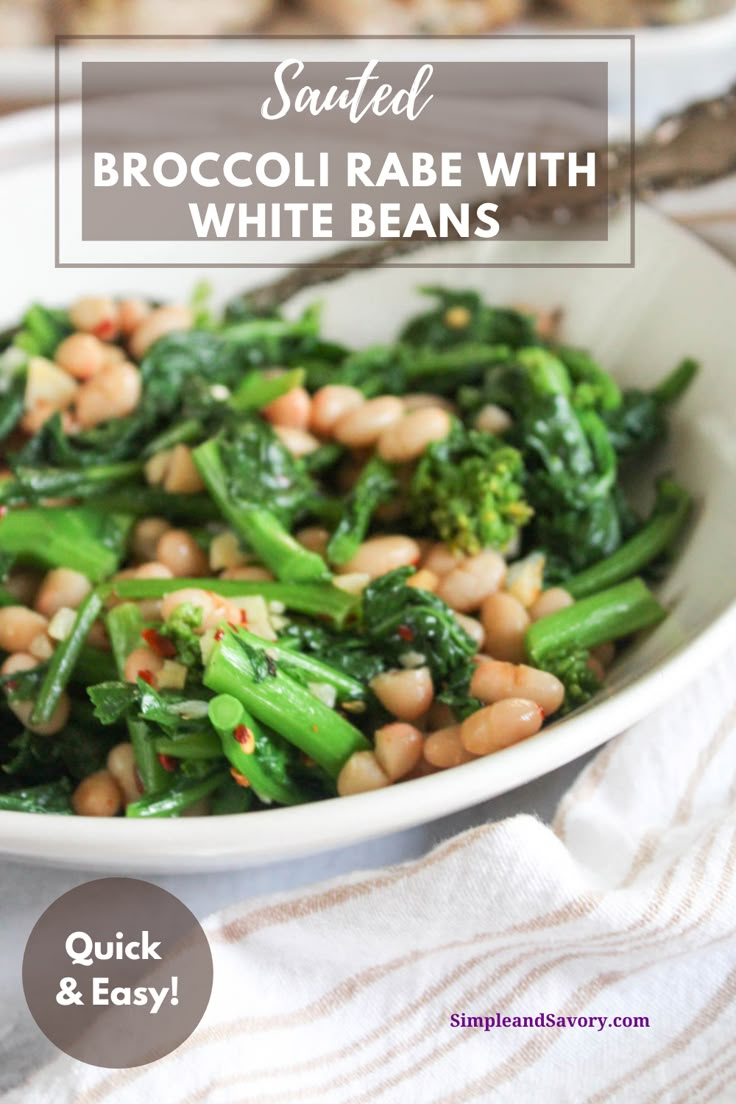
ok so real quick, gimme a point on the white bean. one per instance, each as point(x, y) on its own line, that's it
point(61, 587)
point(19, 627)
point(146, 535)
point(98, 795)
point(378, 555)
point(159, 323)
point(465, 587)
point(142, 663)
point(95, 314)
point(297, 441)
point(114, 392)
point(505, 622)
point(494, 680)
point(550, 601)
point(361, 428)
point(500, 725)
point(407, 439)
point(443, 748)
point(361, 774)
point(407, 694)
point(292, 409)
point(179, 551)
point(182, 475)
point(398, 749)
point(122, 766)
point(330, 404)
point(82, 355)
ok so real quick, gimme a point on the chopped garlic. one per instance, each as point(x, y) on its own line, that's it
point(353, 583)
point(220, 392)
point(225, 552)
point(410, 660)
point(41, 647)
point(47, 383)
point(327, 694)
point(257, 619)
point(525, 578)
point(172, 676)
point(157, 467)
point(61, 623)
point(207, 644)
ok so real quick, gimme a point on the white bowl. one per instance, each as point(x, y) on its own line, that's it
point(678, 300)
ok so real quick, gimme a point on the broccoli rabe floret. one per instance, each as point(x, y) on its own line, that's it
point(468, 490)
point(578, 678)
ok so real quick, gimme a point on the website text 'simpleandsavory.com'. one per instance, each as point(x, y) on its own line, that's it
point(545, 1019)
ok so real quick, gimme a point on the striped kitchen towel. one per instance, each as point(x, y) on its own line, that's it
point(591, 961)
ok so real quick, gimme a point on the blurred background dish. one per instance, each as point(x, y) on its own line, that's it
point(27, 23)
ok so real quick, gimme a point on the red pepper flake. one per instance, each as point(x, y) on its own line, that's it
point(405, 632)
point(243, 617)
point(315, 728)
point(245, 738)
point(11, 686)
point(105, 329)
point(147, 676)
point(307, 761)
point(159, 644)
point(239, 778)
point(219, 634)
point(3, 511)
point(167, 762)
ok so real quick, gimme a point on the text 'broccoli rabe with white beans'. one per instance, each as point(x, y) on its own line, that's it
point(244, 566)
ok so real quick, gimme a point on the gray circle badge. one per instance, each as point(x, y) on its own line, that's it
point(117, 973)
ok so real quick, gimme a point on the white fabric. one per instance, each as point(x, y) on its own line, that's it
point(625, 906)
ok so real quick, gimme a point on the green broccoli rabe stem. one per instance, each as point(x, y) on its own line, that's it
point(60, 536)
point(139, 501)
point(193, 745)
point(307, 668)
point(446, 367)
point(375, 485)
point(258, 390)
point(282, 704)
point(31, 484)
point(609, 615)
point(182, 433)
point(124, 624)
point(229, 718)
point(181, 794)
point(257, 526)
point(674, 385)
point(313, 599)
point(670, 513)
point(64, 659)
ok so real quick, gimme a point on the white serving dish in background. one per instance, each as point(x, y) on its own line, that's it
point(678, 300)
point(674, 65)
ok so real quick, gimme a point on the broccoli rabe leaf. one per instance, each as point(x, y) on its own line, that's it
point(48, 797)
point(399, 619)
point(181, 629)
point(641, 419)
point(468, 490)
point(347, 652)
point(375, 485)
point(461, 316)
point(171, 709)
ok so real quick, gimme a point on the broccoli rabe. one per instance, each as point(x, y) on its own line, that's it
point(461, 316)
point(573, 669)
point(468, 491)
point(261, 489)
